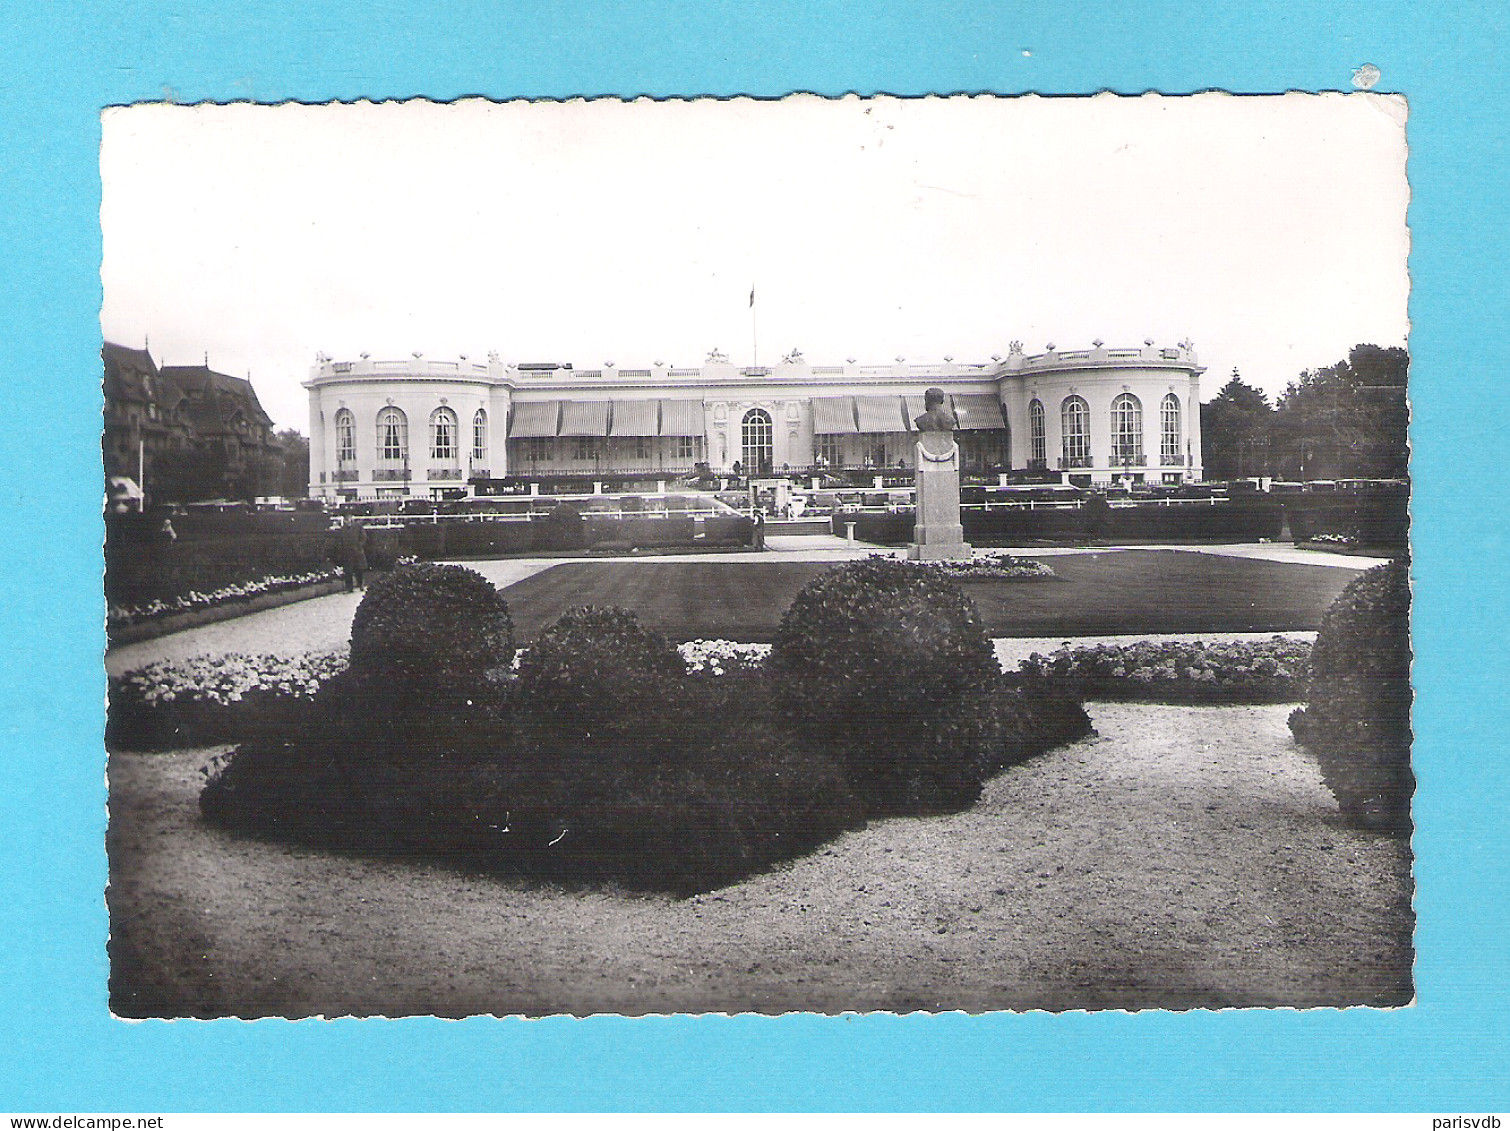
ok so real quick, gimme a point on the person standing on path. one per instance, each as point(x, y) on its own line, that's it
point(351, 553)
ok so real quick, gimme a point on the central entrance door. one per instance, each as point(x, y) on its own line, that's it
point(756, 442)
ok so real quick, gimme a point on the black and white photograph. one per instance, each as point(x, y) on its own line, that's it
point(829, 555)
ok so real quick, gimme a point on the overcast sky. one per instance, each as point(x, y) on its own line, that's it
point(1270, 230)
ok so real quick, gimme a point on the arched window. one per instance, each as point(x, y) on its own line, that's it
point(1075, 425)
point(393, 435)
point(1171, 442)
point(755, 440)
point(480, 437)
point(346, 437)
point(443, 445)
point(1036, 436)
point(1127, 430)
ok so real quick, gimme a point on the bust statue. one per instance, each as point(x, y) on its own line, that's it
point(938, 415)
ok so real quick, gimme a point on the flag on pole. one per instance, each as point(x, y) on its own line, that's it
point(752, 297)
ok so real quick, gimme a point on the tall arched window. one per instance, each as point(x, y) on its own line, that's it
point(1127, 430)
point(1036, 435)
point(755, 440)
point(480, 438)
point(346, 437)
point(393, 435)
point(1075, 424)
point(1171, 441)
point(443, 445)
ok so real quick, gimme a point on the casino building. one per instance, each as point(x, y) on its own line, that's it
point(427, 428)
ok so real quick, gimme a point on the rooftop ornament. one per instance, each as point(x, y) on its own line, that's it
point(1051, 347)
point(1098, 343)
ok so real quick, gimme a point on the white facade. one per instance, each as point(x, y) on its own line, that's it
point(418, 427)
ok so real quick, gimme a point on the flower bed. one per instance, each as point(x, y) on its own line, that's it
point(1193, 672)
point(720, 657)
point(209, 700)
point(120, 615)
point(986, 565)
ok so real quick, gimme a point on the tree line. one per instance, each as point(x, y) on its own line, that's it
point(204, 471)
point(1345, 421)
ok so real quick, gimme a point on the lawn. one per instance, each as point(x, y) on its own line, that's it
point(1118, 592)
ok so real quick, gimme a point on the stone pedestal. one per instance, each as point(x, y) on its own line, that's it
point(938, 535)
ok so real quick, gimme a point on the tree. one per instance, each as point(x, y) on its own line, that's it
point(1235, 431)
point(189, 474)
point(1348, 420)
point(293, 464)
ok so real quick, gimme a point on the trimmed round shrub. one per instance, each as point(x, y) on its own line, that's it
point(431, 624)
point(889, 666)
point(1357, 719)
point(598, 672)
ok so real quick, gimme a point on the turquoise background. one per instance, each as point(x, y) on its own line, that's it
point(60, 1050)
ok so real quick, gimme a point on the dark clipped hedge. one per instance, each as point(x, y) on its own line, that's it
point(431, 624)
point(1357, 718)
point(1245, 520)
point(1380, 518)
point(561, 528)
point(480, 539)
point(142, 569)
point(639, 532)
point(890, 667)
point(605, 761)
point(726, 793)
point(598, 672)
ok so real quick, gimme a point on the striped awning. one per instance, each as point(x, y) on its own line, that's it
point(833, 416)
point(584, 418)
point(534, 418)
point(978, 411)
point(880, 414)
point(635, 418)
point(682, 418)
point(916, 406)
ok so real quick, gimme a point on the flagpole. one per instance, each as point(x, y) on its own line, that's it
point(754, 335)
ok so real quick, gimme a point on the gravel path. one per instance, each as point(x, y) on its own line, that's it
point(1184, 857)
